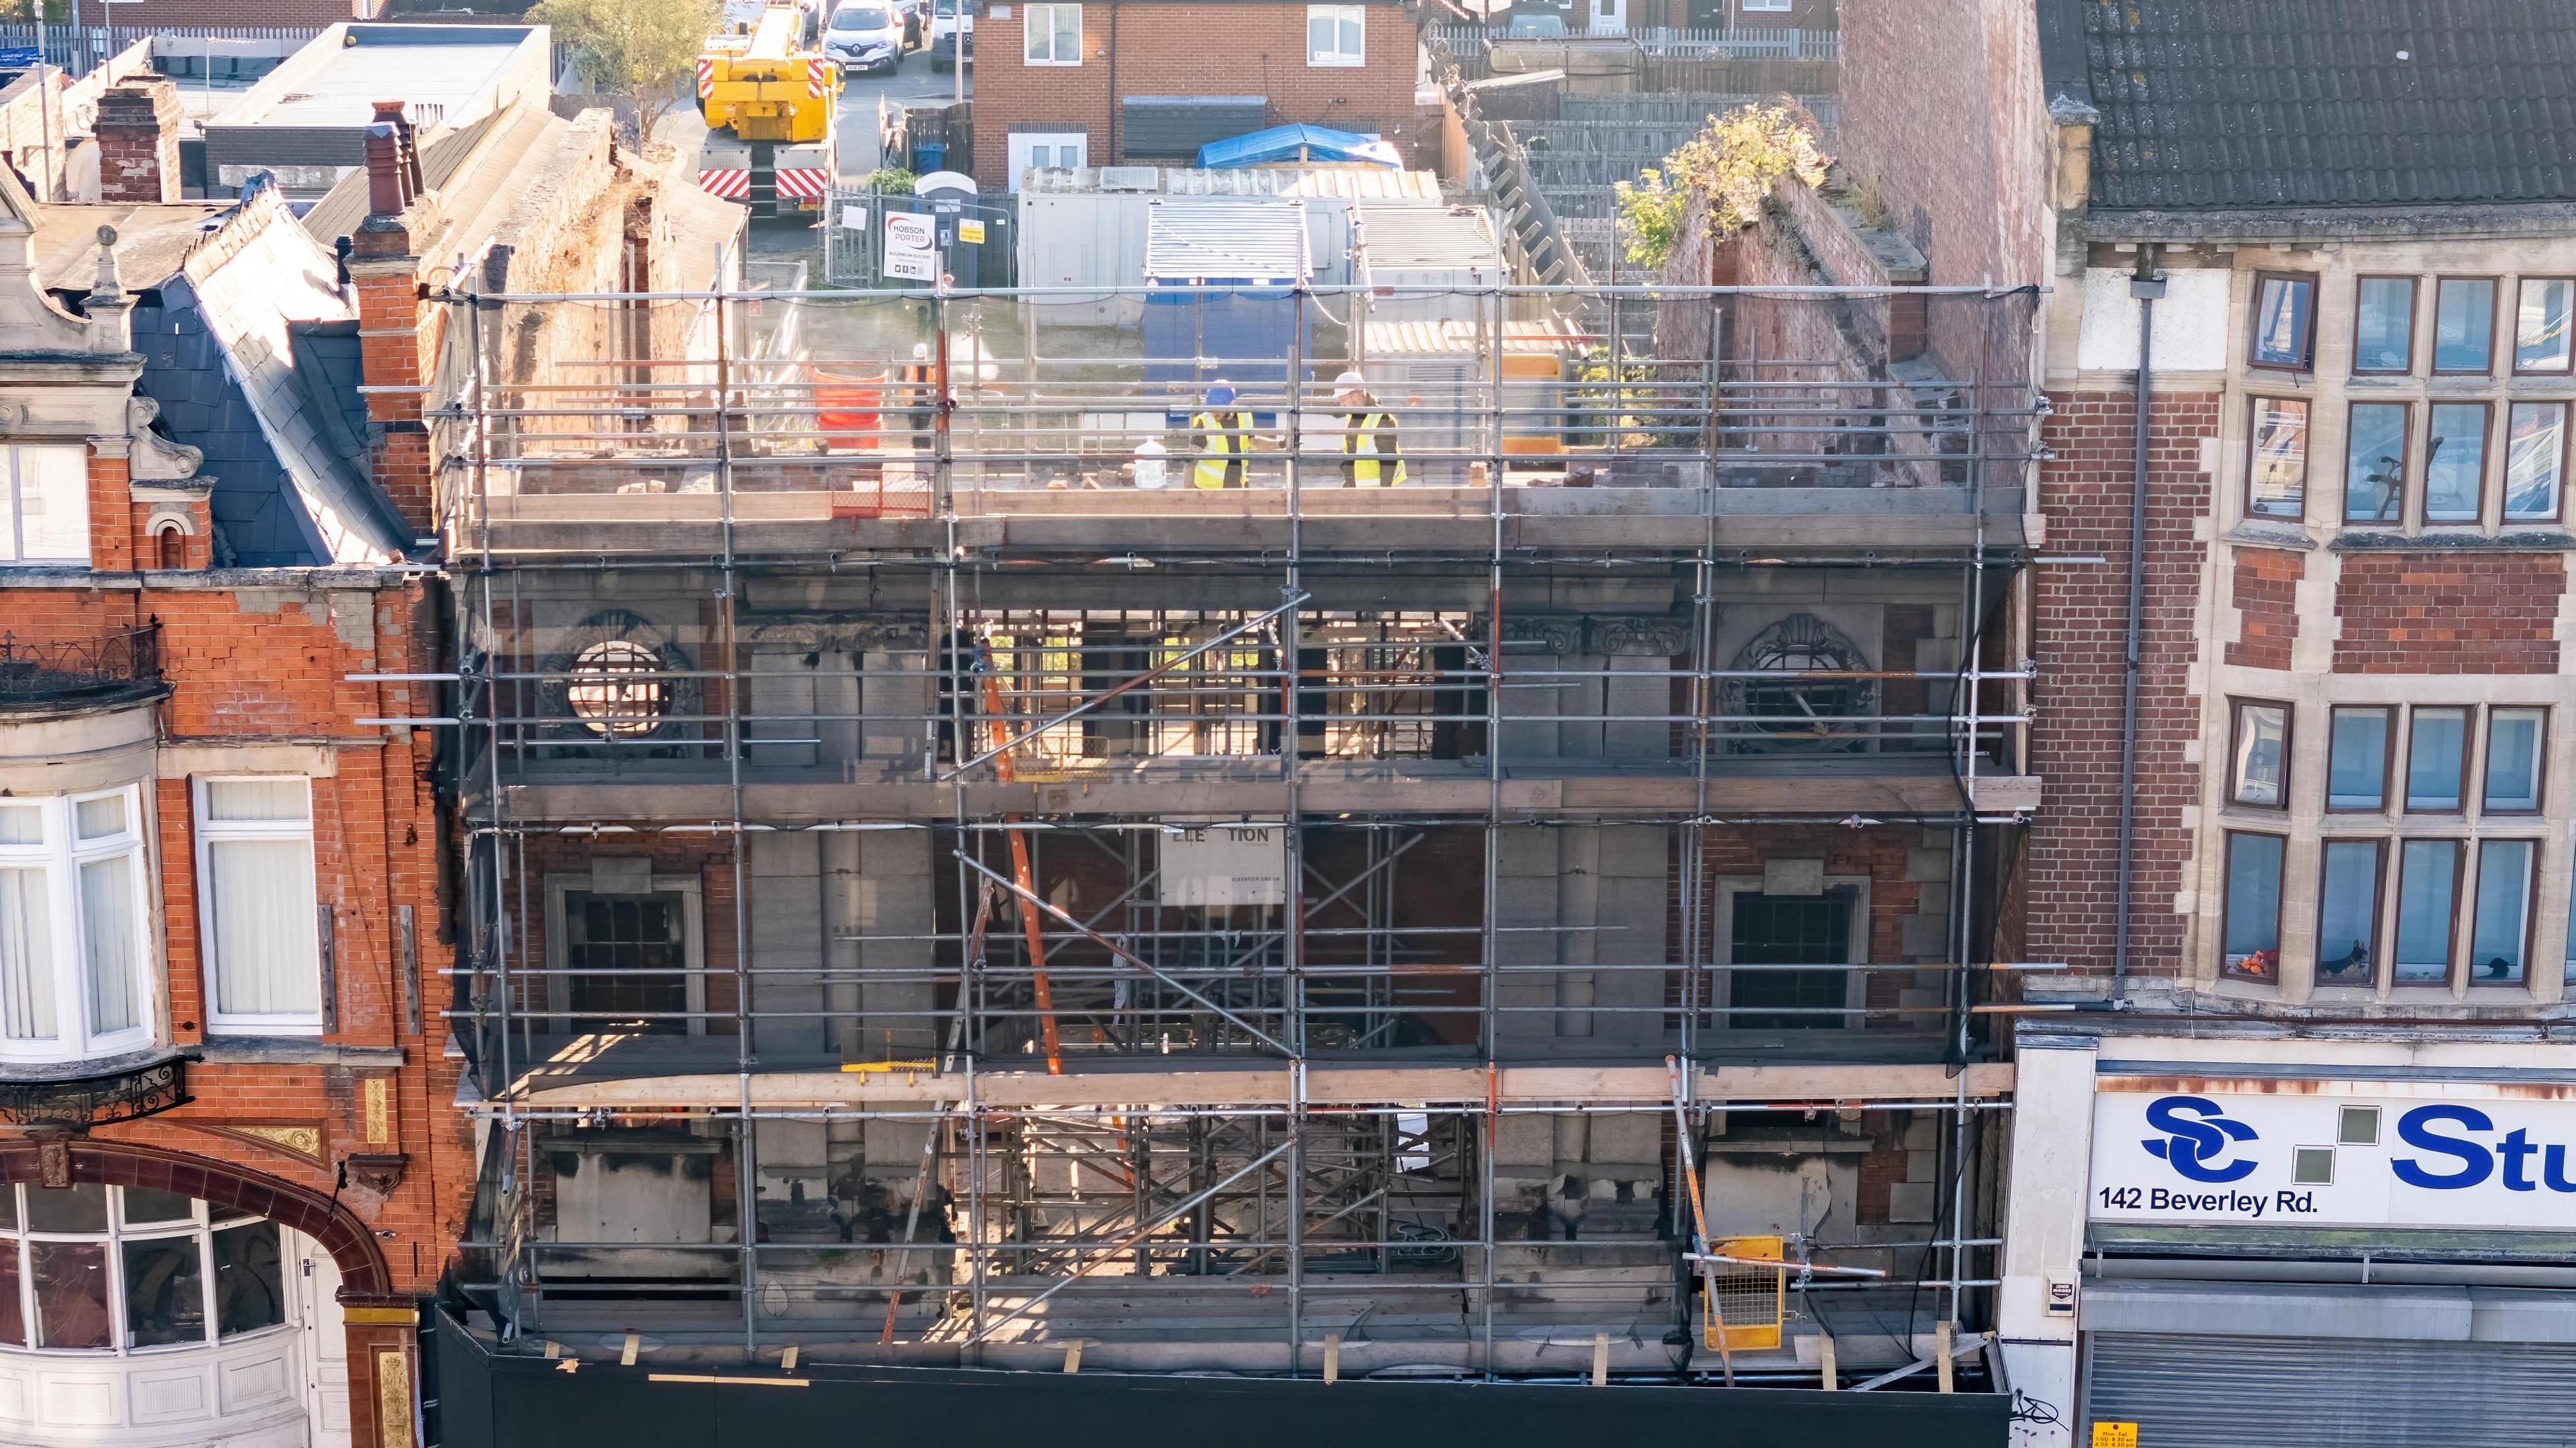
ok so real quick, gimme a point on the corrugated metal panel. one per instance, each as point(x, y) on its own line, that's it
point(1409, 338)
point(2262, 1392)
point(1187, 241)
point(1178, 125)
point(1446, 243)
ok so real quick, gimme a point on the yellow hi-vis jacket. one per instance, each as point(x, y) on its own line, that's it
point(1368, 439)
point(1222, 438)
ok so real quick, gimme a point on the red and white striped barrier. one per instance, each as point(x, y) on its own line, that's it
point(799, 183)
point(814, 78)
point(706, 77)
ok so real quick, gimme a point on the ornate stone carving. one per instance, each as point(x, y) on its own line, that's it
point(1557, 633)
point(1653, 635)
point(156, 459)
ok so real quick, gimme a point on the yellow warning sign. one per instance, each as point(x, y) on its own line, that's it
point(2115, 1435)
point(971, 232)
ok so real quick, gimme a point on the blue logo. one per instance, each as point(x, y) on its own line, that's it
point(2196, 1134)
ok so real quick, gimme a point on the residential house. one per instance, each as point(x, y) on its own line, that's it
point(1148, 82)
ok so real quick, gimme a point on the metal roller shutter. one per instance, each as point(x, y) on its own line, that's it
point(2279, 1392)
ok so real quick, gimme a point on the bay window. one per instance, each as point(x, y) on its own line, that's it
point(73, 964)
point(101, 1269)
point(262, 934)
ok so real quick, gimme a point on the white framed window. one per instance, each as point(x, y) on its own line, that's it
point(1052, 35)
point(258, 905)
point(44, 503)
point(133, 1271)
point(74, 971)
point(1336, 34)
point(1781, 7)
point(1042, 149)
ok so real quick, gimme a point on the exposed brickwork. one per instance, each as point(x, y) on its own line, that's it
point(2080, 616)
point(1943, 119)
point(2265, 591)
point(2439, 613)
point(1172, 50)
point(138, 142)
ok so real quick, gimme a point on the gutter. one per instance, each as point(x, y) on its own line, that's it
point(2147, 286)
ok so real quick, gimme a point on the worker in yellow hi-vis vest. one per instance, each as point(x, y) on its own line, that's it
point(1372, 458)
point(1222, 436)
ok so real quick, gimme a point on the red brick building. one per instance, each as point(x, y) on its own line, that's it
point(219, 904)
point(1146, 82)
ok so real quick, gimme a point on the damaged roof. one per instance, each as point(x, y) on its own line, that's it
point(2252, 104)
point(250, 346)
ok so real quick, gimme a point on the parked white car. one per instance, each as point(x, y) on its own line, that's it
point(865, 35)
point(943, 18)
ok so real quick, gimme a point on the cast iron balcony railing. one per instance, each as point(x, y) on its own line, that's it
point(107, 667)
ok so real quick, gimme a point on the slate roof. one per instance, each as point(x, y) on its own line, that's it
point(2254, 104)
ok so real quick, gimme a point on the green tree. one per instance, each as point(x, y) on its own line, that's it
point(635, 50)
point(1734, 162)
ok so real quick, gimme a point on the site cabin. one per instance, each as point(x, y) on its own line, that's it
point(768, 98)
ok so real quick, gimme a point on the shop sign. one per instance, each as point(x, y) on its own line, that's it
point(2306, 1159)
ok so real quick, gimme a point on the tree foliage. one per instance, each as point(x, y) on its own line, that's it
point(638, 51)
point(1734, 162)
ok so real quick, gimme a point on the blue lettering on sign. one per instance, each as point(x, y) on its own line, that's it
point(2416, 1129)
point(2509, 1159)
point(2196, 1134)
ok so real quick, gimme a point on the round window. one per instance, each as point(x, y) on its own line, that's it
point(616, 689)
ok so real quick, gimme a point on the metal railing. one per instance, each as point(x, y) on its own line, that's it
point(613, 409)
point(40, 671)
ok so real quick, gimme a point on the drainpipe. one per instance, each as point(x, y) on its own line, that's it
point(2147, 284)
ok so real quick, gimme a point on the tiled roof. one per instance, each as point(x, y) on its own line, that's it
point(2232, 104)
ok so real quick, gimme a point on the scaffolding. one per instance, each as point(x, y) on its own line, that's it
point(934, 895)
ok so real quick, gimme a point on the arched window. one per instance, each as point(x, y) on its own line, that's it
point(1815, 707)
point(616, 689)
point(122, 1270)
point(172, 545)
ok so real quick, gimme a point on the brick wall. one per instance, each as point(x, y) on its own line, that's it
point(2079, 614)
point(2265, 591)
point(1943, 119)
point(1186, 49)
point(2440, 613)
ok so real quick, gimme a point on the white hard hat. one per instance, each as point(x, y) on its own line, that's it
point(1348, 381)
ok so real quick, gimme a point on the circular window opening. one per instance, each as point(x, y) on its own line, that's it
point(616, 689)
point(1816, 706)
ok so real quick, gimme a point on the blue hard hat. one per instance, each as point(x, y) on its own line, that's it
point(1219, 395)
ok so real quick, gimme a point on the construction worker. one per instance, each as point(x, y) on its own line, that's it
point(920, 391)
point(1221, 437)
point(1371, 455)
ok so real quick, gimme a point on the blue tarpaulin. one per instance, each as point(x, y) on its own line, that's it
point(1298, 143)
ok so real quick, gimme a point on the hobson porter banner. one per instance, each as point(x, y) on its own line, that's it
point(2462, 1161)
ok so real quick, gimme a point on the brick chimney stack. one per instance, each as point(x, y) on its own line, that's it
point(393, 163)
point(138, 142)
